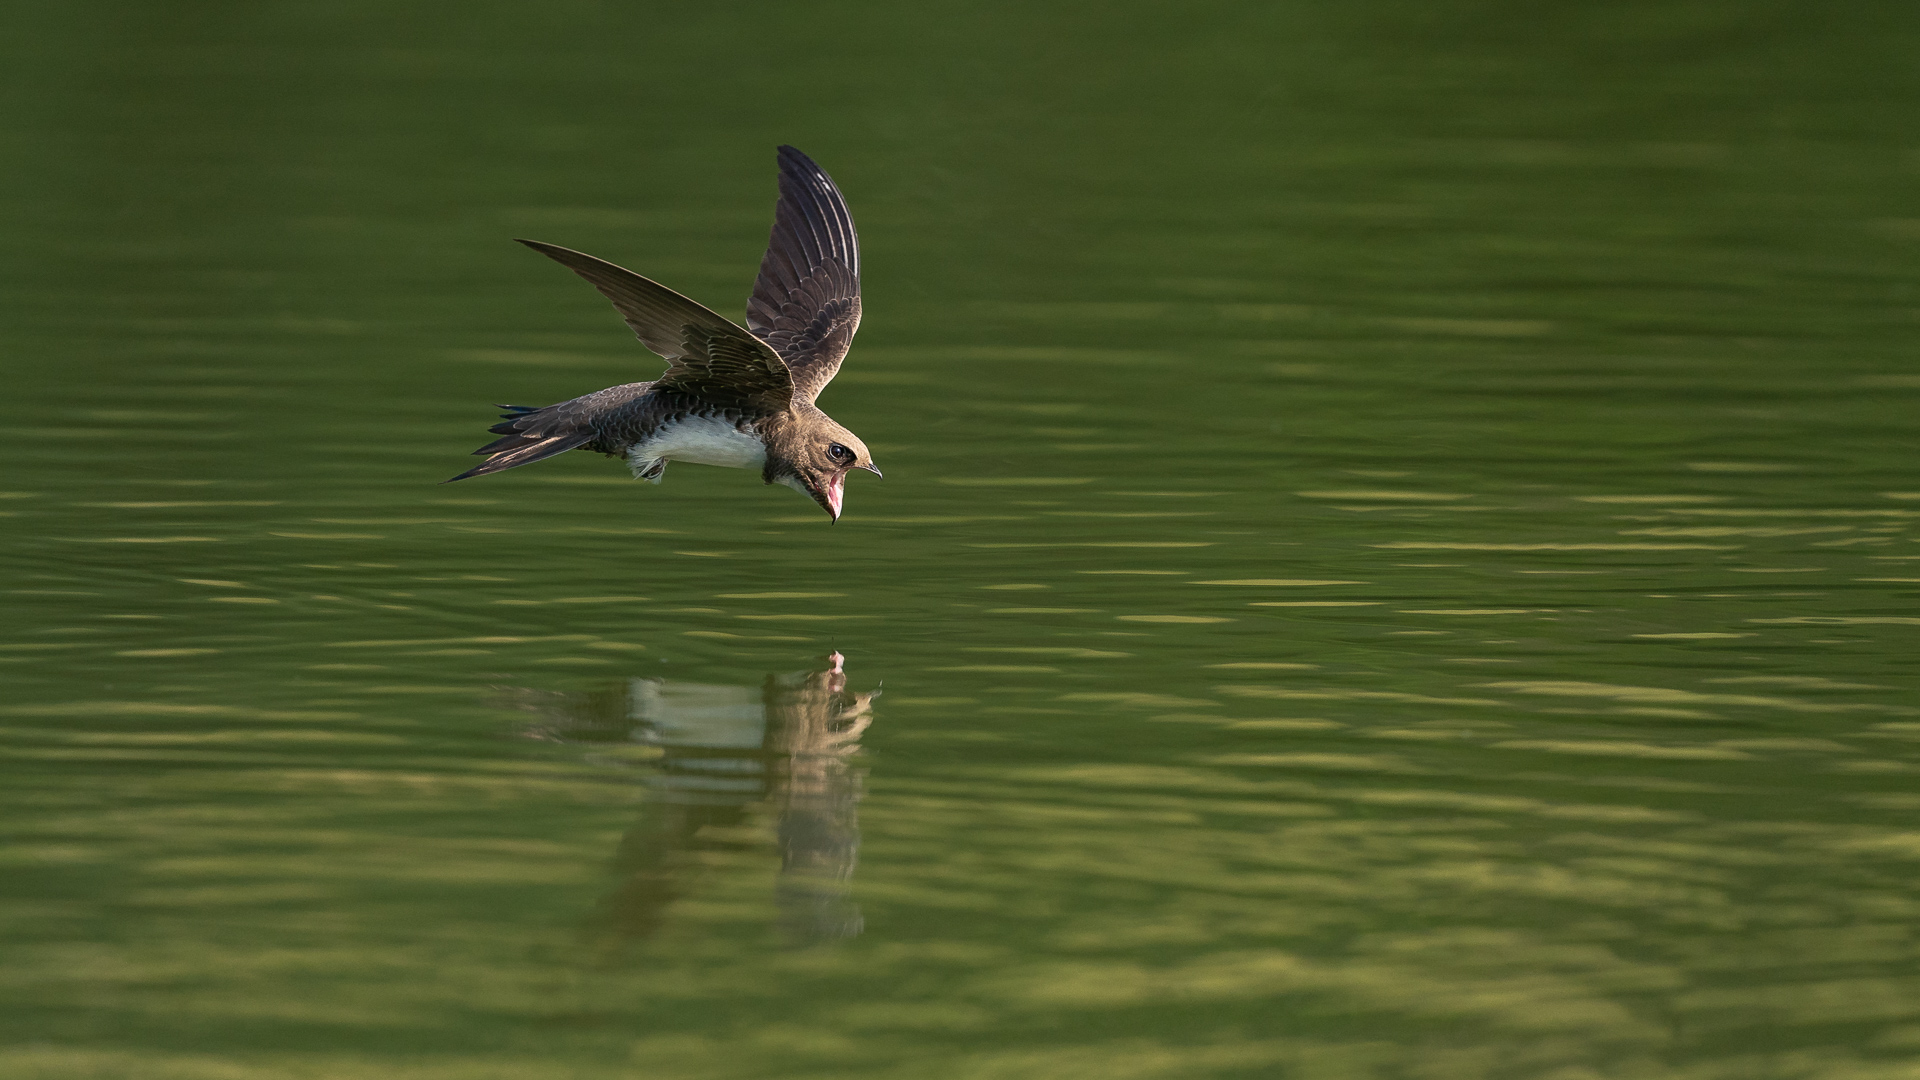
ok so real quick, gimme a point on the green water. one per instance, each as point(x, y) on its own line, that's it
point(1398, 555)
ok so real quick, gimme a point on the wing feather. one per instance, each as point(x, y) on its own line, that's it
point(707, 355)
point(806, 301)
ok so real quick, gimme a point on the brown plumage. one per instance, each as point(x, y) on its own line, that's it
point(731, 396)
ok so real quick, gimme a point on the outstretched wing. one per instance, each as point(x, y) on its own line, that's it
point(708, 356)
point(806, 302)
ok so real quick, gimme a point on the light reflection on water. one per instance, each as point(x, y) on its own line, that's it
point(1535, 776)
point(721, 761)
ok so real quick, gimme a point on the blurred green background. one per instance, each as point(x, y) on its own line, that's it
point(1397, 556)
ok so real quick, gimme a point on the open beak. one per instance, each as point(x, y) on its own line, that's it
point(832, 495)
point(874, 469)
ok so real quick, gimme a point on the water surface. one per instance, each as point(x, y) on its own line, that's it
point(1398, 555)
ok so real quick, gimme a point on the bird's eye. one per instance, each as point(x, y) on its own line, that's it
point(839, 453)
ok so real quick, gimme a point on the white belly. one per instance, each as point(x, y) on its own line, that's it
point(702, 441)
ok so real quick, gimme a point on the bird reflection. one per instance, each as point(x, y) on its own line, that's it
point(723, 759)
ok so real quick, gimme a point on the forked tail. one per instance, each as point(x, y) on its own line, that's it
point(527, 434)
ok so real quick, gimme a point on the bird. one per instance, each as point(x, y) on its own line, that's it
point(734, 396)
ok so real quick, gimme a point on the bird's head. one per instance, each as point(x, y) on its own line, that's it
point(812, 454)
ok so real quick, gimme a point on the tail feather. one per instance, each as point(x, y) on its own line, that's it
point(527, 436)
point(509, 419)
point(505, 443)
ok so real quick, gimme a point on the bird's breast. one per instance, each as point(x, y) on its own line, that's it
point(703, 440)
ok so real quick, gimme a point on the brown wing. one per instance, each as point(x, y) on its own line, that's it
point(707, 355)
point(806, 302)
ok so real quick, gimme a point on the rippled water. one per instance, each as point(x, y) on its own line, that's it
point(1398, 555)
